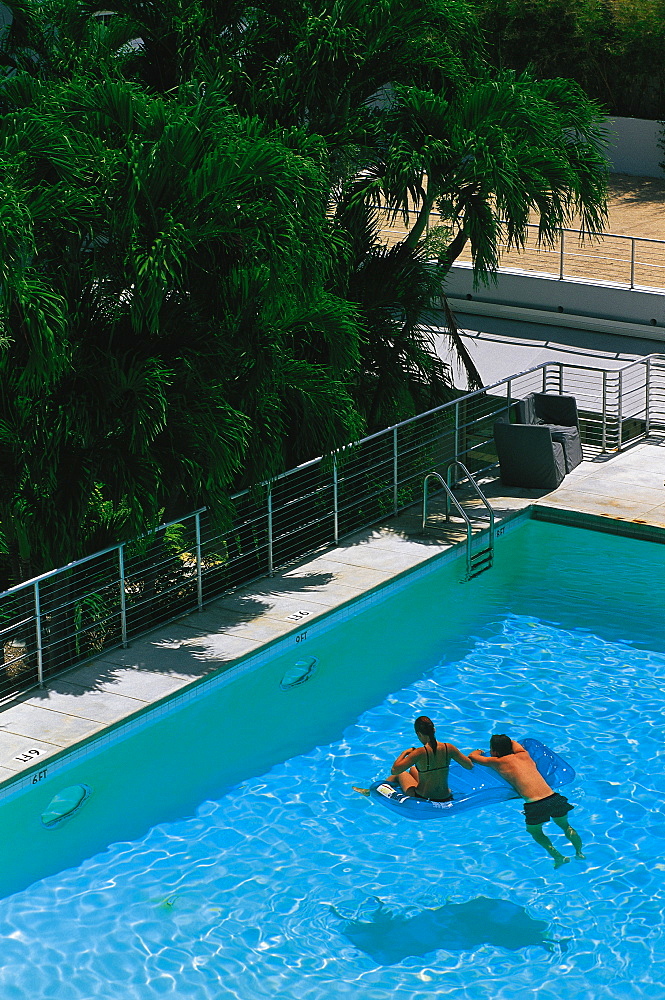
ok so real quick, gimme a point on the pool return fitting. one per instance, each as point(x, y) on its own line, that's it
point(300, 672)
point(65, 804)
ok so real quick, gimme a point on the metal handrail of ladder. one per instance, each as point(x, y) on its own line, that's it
point(482, 559)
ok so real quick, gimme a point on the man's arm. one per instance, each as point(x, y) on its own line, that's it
point(478, 757)
point(406, 760)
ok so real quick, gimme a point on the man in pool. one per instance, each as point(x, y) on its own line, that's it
point(515, 764)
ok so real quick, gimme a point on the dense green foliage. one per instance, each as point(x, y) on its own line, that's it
point(194, 289)
point(612, 48)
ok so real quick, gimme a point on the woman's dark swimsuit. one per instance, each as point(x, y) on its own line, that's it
point(428, 770)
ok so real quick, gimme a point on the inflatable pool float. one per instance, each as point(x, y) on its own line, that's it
point(481, 786)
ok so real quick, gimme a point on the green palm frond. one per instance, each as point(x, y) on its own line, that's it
point(193, 288)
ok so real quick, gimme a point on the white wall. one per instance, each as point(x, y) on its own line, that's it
point(632, 147)
point(583, 305)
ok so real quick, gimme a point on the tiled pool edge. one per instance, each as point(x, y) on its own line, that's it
point(122, 729)
point(598, 522)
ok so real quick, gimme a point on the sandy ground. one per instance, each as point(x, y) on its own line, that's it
point(636, 208)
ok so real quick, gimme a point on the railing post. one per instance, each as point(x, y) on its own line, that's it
point(425, 491)
point(335, 501)
point(456, 432)
point(123, 603)
point(603, 438)
point(620, 412)
point(632, 262)
point(561, 378)
point(394, 470)
point(561, 251)
point(448, 479)
point(647, 399)
point(199, 566)
point(40, 648)
point(270, 564)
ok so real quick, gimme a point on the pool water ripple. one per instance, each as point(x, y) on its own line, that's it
point(293, 886)
point(292, 879)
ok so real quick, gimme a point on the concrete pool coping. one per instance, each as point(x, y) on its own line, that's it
point(623, 494)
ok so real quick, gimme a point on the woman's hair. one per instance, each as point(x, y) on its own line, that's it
point(424, 725)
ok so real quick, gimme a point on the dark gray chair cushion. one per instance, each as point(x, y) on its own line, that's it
point(569, 438)
point(559, 413)
point(528, 457)
point(552, 409)
point(526, 410)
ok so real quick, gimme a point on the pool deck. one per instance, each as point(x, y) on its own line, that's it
point(622, 493)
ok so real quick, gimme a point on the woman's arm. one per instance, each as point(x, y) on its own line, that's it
point(406, 760)
point(460, 757)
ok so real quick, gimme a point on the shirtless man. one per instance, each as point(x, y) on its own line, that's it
point(514, 763)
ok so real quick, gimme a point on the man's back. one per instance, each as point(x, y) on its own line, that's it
point(516, 765)
point(519, 769)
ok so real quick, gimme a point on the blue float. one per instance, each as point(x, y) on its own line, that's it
point(481, 786)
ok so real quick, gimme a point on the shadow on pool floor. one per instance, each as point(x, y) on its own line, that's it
point(388, 937)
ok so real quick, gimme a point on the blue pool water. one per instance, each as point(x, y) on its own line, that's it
point(287, 884)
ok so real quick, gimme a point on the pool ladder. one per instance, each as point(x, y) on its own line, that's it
point(482, 558)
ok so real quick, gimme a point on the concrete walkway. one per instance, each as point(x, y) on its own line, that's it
point(622, 493)
point(501, 347)
point(628, 490)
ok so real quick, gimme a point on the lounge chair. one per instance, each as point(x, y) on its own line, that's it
point(529, 456)
point(559, 413)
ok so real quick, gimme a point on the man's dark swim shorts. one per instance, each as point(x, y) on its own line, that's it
point(538, 812)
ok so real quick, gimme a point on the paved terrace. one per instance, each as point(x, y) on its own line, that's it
point(636, 207)
point(623, 493)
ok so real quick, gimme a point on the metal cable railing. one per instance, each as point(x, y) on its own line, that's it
point(629, 261)
point(94, 604)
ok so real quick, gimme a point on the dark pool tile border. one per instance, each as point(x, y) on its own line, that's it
point(67, 757)
point(598, 522)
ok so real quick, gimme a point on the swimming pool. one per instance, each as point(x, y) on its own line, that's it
point(266, 876)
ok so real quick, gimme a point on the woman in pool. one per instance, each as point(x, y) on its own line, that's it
point(423, 771)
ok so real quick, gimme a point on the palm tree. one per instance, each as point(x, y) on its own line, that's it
point(193, 293)
point(415, 121)
point(168, 329)
point(396, 290)
point(488, 158)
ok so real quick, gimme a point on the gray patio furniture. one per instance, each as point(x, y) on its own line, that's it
point(559, 413)
point(529, 456)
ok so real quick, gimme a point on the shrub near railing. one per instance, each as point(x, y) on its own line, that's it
point(80, 611)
